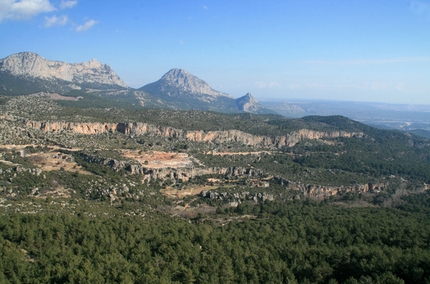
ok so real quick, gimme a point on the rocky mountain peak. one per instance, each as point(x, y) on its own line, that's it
point(94, 63)
point(176, 73)
point(249, 97)
point(249, 104)
point(185, 82)
point(30, 64)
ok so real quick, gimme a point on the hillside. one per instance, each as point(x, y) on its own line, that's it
point(146, 186)
point(134, 188)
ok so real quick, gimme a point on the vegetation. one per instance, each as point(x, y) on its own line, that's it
point(75, 209)
point(296, 242)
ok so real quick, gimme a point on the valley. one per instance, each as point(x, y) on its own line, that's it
point(96, 188)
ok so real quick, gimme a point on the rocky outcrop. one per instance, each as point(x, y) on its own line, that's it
point(32, 65)
point(225, 136)
point(183, 82)
point(322, 192)
point(238, 197)
point(247, 103)
point(184, 173)
point(80, 128)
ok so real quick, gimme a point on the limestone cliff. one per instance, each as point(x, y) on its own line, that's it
point(288, 140)
point(30, 64)
point(322, 192)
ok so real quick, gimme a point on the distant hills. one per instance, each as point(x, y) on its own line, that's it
point(411, 118)
point(28, 73)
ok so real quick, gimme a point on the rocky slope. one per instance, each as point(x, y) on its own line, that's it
point(179, 83)
point(30, 64)
point(189, 92)
point(248, 103)
point(314, 191)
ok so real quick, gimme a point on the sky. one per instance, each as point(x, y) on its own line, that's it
point(350, 50)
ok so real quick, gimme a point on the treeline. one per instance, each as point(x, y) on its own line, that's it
point(293, 243)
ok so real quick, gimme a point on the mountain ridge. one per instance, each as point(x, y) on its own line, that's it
point(28, 73)
point(191, 92)
point(30, 64)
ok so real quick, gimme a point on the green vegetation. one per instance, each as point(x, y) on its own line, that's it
point(295, 243)
point(71, 211)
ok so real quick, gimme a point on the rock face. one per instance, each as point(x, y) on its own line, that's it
point(190, 92)
point(248, 103)
point(288, 140)
point(162, 173)
point(186, 91)
point(32, 65)
point(322, 192)
point(178, 82)
point(318, 192)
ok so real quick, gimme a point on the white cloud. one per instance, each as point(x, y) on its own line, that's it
point(205, 7)
point(68, 4)
point(55, 21)
point(86, 26)
point(23, 9)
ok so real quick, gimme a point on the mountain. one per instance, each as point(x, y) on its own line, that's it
point(186, 91)
point(248, 103)
point(185, 82)
point(27, 72)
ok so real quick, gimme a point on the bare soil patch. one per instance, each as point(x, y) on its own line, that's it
point(51, 161)
point(157, 160)
point(192, 190)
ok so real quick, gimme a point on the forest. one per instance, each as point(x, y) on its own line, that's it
point(296, 242)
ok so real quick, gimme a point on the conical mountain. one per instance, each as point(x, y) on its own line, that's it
point(188, 83)
point(189, 92)
point(248, 103)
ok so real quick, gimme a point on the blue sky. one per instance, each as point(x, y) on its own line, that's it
point(355, 50)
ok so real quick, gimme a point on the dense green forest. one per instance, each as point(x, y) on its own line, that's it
point(298, 242)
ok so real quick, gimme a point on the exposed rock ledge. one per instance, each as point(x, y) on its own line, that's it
point(136, 129)
point(150, 174)
point(185, 173)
